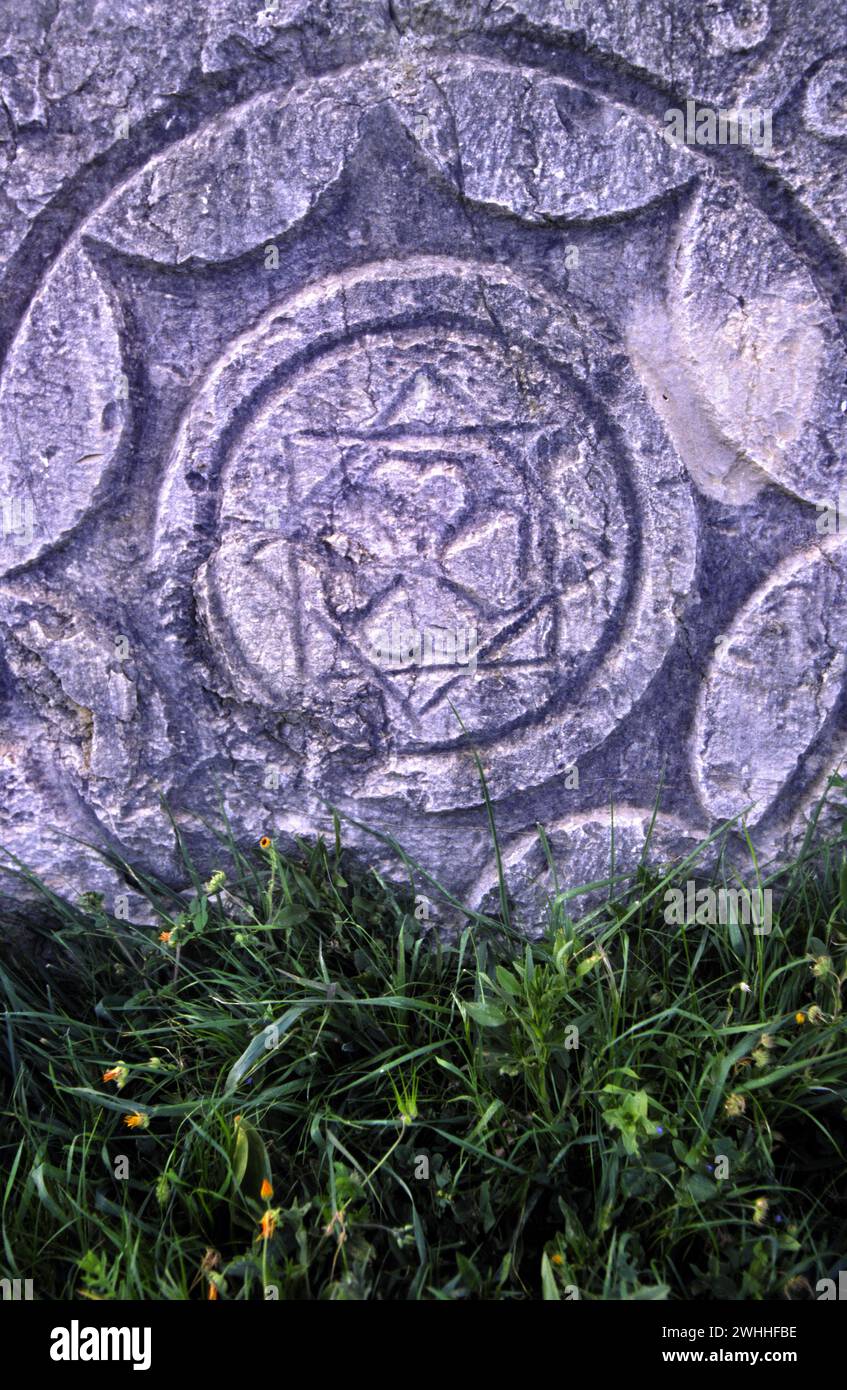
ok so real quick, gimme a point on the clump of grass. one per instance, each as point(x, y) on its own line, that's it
point(291, 1084)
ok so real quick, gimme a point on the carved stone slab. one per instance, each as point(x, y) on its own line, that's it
point(384, 381)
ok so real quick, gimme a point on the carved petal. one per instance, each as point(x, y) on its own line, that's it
point(63, 408)
point(775, 678)
point(760, 351)
point(506, 137)
point(537, 146)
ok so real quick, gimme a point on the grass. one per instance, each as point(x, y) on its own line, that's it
point(624, 1110)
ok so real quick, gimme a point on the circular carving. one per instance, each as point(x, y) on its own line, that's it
point(432, 487)
point(751, 734)
point(601, 848)
point(349, 471)
point(424, 483)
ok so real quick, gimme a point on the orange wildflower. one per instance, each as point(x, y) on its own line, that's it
point(264, 843)
point(137, 1120)
point(266, 1191)
point(267, 1224)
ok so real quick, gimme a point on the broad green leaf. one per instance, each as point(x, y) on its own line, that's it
point(264, 1044)
point(250, 1164)
point(486, 1015)
point(699, 1187)
point(507, 981)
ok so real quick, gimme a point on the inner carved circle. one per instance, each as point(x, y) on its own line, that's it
point(418, 518)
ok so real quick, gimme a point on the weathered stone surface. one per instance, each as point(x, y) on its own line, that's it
point(378, 377)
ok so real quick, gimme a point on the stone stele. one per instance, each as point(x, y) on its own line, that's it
point(385, 395)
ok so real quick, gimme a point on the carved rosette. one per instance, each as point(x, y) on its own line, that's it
point(421, 440)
